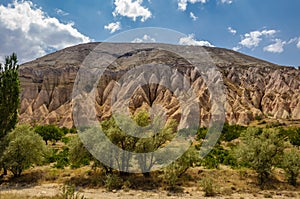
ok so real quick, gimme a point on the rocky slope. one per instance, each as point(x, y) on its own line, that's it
point(254, 88)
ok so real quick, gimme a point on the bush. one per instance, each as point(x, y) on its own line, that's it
point(260, 151)
point(113, 181)
point(231, 132)
point(294, 136)
point(69, 192)
point(79, 155)
point(174, 171)
point(219, 155)
point(62, 158)
point(207, 187)
point(25, 148)
point(291, 165)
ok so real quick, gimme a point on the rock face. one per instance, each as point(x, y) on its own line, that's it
point(254, 88)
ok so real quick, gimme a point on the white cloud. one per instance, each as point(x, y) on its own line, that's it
point(298, 44)
point(232, 31)
point(237, 48)
point(113, 27)
point(28, 31)
point(227, 1)
point(144, 39)
point(131, 9)
point(61, 12)
point(182, 4)
point(190, 41)
point(192, 15)
point(253, 39)
point(277, 47)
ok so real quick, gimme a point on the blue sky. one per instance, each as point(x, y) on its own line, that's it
point(265, 29)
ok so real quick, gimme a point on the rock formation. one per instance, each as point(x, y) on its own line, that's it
point(254, 88)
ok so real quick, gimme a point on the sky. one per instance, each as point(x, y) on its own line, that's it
point(267, 29)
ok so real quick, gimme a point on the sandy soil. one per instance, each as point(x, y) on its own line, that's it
point(49, 190)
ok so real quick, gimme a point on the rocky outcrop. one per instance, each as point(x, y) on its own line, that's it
point(254, 88)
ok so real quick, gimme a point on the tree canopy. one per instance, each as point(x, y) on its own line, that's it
point(9, 94)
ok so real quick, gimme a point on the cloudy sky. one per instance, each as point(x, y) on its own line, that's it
point(267, 29)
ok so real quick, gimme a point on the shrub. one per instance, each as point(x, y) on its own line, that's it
point(231, 132)
point(219, 155)
point(294, 136)
point(25, 148)
point(174, 171)
point(208, 187)
point(78, 154)
point(62, 158)
point(291, 165)
point(113, 181)
point(69, 192)
point(260, 151)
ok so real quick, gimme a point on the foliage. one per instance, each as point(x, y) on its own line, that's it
point(231, 132)
point(78, 154)
point(65, 130)
point(260, 151)
point(69, 192)
point(160, 134)
point(113, 181)
point(139, 123)
point(49, 132)
point(9, 94)
point(24, 149)
point(174, 171)
point(294, 136)
point(208, 187)
point(62, 158)
point(291, 165)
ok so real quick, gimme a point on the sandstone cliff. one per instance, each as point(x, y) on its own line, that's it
point(254, 88)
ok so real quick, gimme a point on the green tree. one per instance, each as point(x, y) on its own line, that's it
point(294, 136)
point(9, 94)
point(78, 154)
point(291, 165)
point(25, 148)
point(9, 99)
point(49, 133)
point(260, 151)
point(160, 134)
point(175, 170)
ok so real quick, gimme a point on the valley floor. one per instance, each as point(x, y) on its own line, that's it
point(228, 184)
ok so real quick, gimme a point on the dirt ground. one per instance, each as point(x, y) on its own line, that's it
point(50, 190)
point(228, 184)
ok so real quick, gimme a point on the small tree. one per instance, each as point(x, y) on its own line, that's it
point(49, 132)
point(78, 154)
point(175, 170)
point(294, 136)
point(9, 94)
point(9, 99)
point(260, 151)
point(291, 165)
point(24, 149)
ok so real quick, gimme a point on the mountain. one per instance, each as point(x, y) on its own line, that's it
point(254, 88)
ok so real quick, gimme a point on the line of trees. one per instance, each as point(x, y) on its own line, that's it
point(23, 146)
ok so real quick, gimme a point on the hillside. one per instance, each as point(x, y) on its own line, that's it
point(254, 88)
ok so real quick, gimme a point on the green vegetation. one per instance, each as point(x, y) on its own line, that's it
point(208, 187)
point(260, 151)
point(49, 133)
point(291, 165)
point(9, 94)
point(9, 100)
point(24, 149)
